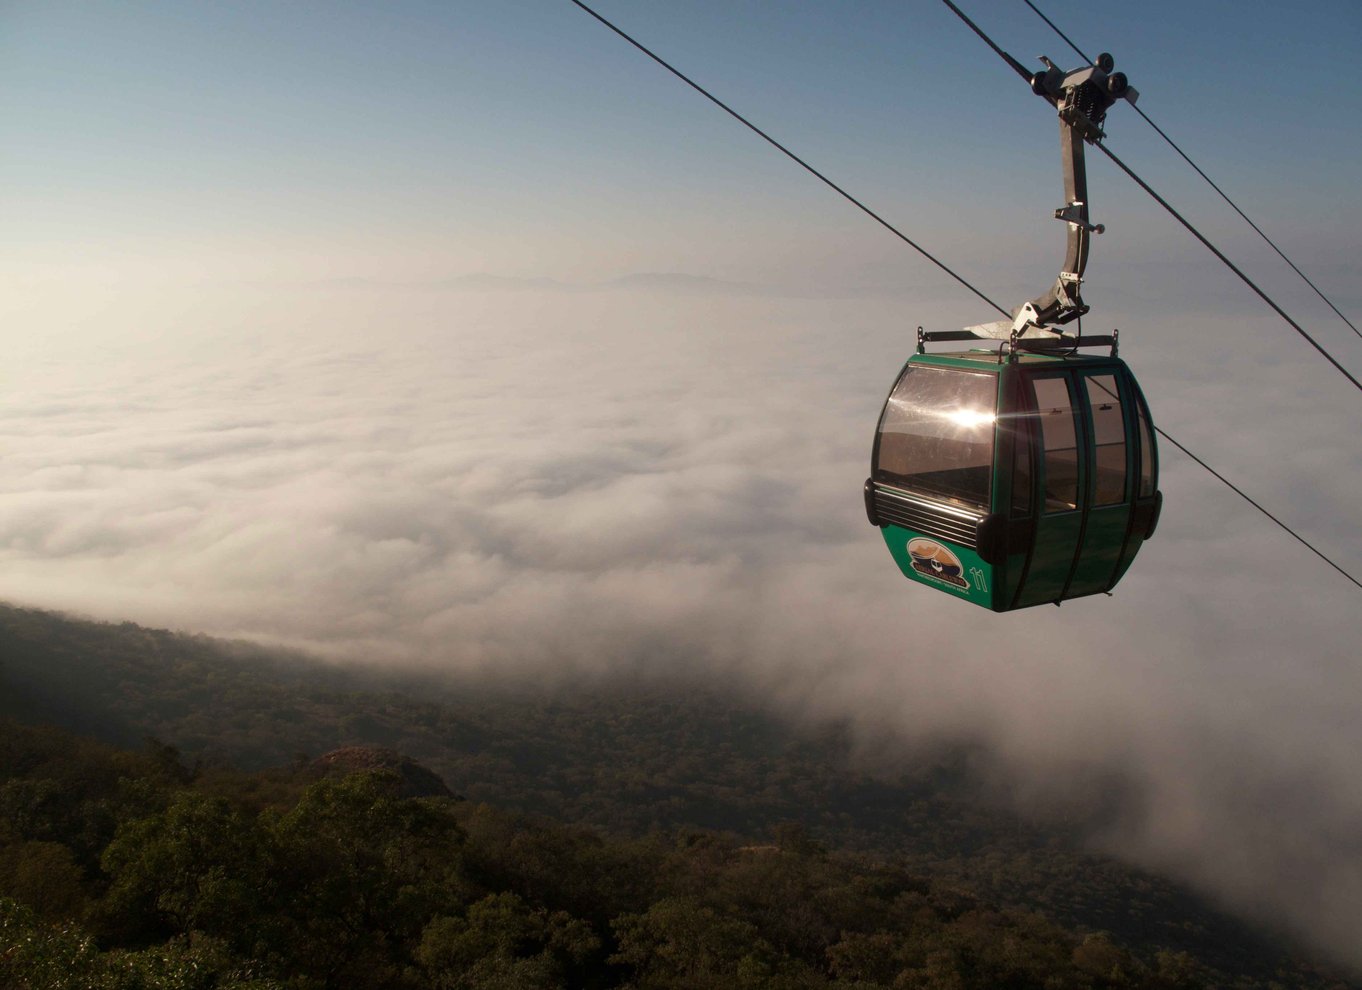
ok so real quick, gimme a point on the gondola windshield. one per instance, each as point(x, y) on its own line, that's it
point(936, 434)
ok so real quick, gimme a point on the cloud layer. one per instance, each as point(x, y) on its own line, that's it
point(546, 482)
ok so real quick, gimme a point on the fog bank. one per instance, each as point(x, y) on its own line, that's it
point(523, 480)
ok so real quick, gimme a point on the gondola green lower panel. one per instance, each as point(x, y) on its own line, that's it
point(941, 565)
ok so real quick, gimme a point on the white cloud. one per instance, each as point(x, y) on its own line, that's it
point(567, 482)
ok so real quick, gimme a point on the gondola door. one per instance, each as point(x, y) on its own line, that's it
point(1104, 398)
point(1061, 482)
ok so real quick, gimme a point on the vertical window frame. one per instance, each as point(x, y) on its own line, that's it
point(1022, 423)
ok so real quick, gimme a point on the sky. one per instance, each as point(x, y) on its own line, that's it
point(252, 386)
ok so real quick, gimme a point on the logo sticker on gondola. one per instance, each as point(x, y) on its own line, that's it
point(936, 563)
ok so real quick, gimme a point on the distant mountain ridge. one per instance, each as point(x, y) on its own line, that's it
point(485, 281)
point(679, 281)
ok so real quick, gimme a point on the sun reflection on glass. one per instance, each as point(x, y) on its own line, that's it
point(969, 418)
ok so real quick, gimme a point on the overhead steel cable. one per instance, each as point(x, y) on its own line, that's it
point(1209, 181)
point(793, 157)
point(1055, 28)
point(1017, 66)
point(1228, 264)
point(1242, 494)
point(903, 237)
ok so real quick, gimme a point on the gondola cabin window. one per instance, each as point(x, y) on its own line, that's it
point(936, 435)
point(1059, 437)
point(1147, 486)
point(1109, 436)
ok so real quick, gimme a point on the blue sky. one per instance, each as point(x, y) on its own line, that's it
point(521, 137)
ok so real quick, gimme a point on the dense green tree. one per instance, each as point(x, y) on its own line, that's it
point(577, 870)
point(1098, 957)
point(359, 872)
point(681, 943)
point(184, 963)
point(54, 788)
point(502, 942)
point(200, 865)
point(866, 958)
point(36, 955)
point(44, 875)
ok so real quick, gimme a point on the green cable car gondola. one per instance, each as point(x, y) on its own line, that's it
point(1026, 474)
point(1014, 481)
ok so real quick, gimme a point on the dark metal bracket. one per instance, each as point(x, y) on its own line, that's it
point(1058, 343)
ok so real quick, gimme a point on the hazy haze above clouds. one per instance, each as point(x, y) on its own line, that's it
point(263, 377)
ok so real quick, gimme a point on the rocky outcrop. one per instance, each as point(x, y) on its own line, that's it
point(417, 781)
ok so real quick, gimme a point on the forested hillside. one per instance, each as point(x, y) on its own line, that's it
point(127, 870)
point(678, 839)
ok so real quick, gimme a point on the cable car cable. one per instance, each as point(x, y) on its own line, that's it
point(884, 223)
point(1209, 181)
point(1018, 67)
point(1067, 40)
point(1229, 264)
point(791, 155)
point(1240, 492)
point(1245, 496)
